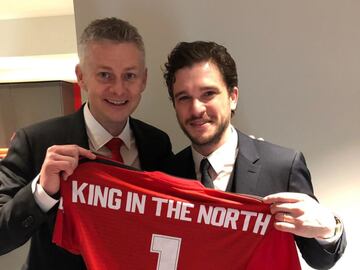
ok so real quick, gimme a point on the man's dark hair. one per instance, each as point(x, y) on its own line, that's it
point(186, 54)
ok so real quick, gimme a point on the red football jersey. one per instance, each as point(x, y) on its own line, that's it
point(118, 218)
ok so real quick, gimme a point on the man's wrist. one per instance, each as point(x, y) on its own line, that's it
point(330, 241)
point(43, 200)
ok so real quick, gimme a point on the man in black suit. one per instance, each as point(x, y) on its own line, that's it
point(202, 83)
point(113, 73)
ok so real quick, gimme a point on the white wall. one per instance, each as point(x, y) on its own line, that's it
point(38, 36)
point(298, 64)
point(38, 49)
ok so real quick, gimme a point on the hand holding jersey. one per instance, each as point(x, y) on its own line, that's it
point(301, 215)
point(60, 161)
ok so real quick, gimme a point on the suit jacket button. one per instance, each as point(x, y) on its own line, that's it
point(27, 222)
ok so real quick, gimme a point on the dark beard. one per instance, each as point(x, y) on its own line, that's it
point(213, 140)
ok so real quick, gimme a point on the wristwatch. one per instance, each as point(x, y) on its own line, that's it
point(338, 226)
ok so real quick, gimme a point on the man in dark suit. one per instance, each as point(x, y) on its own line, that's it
point(113, 73)
point(202, 83)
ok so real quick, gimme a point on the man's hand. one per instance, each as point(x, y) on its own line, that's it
point(60, 161)
point(301, 215)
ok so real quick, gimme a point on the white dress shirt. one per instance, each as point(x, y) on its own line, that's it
point(222, 161)
point(98, 137)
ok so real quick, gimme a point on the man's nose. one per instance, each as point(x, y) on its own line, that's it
point(118, 87)
point(197, 107)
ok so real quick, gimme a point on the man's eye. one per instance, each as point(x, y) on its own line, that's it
point(182, 98)
point(129, 76)
point(104, 75)
point(209, 93)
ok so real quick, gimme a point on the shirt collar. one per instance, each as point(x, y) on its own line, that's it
point(225, 155)
point(99, 136)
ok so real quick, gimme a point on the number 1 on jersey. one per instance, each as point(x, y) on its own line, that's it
point(168, 249)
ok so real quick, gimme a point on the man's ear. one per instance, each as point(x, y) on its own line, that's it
point(144, 80)
point(80, 76)
point(234, 95)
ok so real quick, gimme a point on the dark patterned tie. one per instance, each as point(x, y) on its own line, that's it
point(114, 146)
point(205, 176)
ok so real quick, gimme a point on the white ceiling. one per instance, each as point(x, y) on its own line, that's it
point(14, 9)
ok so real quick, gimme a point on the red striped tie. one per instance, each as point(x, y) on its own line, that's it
point(114, 146)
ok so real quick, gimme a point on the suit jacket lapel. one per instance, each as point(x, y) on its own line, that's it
point(141, 144)
point(77, 131)
point(185, 164)
point(246, 168)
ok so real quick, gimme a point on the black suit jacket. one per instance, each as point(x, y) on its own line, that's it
point(262, 168)
point(20, 216)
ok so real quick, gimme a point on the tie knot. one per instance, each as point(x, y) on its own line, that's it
point(114, 146)
point(114, 143)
